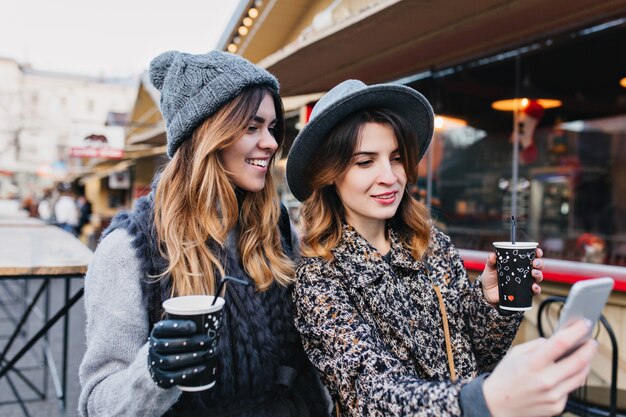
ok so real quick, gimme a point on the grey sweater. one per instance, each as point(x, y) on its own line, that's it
point(114, 373)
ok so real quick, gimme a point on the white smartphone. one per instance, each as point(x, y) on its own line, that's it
point(586, 299)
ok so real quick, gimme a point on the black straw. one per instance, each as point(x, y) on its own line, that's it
point(221, 286)
point(513, 229)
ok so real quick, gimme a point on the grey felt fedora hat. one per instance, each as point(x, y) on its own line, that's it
point(343, 100)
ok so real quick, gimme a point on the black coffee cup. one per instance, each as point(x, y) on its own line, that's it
point(514, 265)
point(208, 319)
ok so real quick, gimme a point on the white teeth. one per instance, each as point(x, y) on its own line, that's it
point(257, 162)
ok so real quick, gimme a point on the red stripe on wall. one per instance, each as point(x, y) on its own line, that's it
point(550, 274)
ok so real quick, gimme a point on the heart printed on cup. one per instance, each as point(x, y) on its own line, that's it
point(511, 297)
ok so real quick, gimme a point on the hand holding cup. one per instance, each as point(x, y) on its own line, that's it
point(489, 277)
point(178, 354)
point(183, 346)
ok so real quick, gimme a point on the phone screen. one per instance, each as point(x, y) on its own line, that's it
point(586, 300)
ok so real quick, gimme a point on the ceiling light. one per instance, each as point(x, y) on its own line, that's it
point(247, 21)
point(511, 104)
point(232, 48)
point(243, 31)
point(528, 92)
point(253, 12)
point(622, 82)
point(448, 123)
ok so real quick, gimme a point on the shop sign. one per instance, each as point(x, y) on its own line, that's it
point(96, 146)
point(89, 152)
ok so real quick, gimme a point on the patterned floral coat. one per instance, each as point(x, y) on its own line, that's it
point(374, 328)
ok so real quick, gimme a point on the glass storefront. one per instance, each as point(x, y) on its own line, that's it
point(571, 185)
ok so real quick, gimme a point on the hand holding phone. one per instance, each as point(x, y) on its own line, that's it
point(530, 381)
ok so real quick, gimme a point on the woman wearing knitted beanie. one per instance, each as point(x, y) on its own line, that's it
point(383, 302)
point(213, 211)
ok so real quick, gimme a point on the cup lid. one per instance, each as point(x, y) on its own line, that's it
point(516, 245)
point(192, 304)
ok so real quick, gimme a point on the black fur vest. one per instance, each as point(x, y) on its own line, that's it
point(264, 370)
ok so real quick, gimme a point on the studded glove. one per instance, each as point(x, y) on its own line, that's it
point(177, 354)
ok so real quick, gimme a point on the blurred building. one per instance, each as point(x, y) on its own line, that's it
point(115, 184)
point(44, 115)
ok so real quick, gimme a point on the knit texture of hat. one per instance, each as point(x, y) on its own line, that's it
point(193, 87)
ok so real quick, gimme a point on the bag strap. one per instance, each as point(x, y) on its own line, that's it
point(446, 333)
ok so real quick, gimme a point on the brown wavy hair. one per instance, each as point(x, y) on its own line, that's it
point(323, 213)
point(196, 206)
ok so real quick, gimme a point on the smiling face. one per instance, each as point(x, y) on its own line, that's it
point(373, 185)
point(247, 159)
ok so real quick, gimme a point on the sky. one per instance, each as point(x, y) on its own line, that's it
point(111, 38)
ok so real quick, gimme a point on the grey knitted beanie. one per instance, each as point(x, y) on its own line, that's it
point(193, 87)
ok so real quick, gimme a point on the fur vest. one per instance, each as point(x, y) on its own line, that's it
point(263, 368)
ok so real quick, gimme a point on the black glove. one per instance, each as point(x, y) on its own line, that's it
point(177, 354)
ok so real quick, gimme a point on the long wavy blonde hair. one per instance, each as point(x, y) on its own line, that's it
point(196, 206)
point(323, 212)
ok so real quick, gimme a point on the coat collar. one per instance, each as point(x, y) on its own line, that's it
point(354, 249)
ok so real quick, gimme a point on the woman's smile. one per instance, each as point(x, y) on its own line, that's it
point(385, 198)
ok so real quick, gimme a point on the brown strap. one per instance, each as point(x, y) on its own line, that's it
point(446, 333)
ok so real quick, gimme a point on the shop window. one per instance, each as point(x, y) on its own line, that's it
point(117, 198)
point(571, 174)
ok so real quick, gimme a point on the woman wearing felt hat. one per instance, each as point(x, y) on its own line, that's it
point(383, 302)
point(213, 212)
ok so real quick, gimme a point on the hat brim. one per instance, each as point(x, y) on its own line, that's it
point(402, 100)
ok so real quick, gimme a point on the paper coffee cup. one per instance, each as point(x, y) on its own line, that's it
point(208, 319)
point(514, 267)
